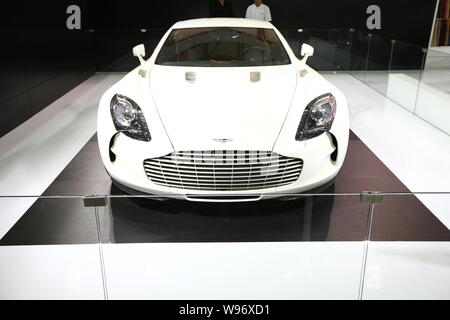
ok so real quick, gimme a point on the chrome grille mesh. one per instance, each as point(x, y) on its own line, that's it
point(223, 170)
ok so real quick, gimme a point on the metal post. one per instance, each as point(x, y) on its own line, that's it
point(366, 250)
point(371, 198)
point(100, 250)
point(96, 201)
point(422, 71)
point(392, 54)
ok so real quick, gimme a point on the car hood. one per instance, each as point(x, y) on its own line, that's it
point(222, 109)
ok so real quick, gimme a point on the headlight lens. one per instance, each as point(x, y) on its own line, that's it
point(128, 118)
point(317, 118)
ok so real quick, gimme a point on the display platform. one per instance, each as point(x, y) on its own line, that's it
point(128, 220)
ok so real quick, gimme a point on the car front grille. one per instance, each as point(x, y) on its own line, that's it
point(223, 170)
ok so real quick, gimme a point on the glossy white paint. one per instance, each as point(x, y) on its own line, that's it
point(50, 272)
point(408, 270)
point(307, 51)
point(34, 154)
point(416, 152)
point(285, 270)
point(222, 103)
point(139, 52)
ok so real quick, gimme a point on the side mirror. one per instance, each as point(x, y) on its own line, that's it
point(139, 52)
point(307, 51)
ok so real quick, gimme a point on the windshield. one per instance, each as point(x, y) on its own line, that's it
point(223, 47)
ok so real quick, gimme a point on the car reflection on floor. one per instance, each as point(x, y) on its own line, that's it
point(135, 220)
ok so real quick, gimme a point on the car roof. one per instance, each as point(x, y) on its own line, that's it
point(222, 22)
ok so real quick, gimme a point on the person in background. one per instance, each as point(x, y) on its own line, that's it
point(220, 9)
point(258, 11)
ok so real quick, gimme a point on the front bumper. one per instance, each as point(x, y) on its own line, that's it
point(223, 197)
point(320, 167)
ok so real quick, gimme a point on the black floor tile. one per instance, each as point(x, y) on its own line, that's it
point(322, 218)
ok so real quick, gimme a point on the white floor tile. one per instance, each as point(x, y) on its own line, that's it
point(50, 272)
point(408, 270)
point(35, 153)
point(304, 270)
point(416, 152)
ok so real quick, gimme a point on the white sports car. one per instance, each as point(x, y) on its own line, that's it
point(223, 111)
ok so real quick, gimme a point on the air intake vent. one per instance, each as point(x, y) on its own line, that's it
point(223, 170)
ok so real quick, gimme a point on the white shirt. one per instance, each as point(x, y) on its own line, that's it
point(258, 13)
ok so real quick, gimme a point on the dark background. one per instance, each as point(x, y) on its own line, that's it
point(406, 20)
point(42, 60)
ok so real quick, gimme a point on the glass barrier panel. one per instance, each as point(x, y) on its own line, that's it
point(408, 256)
point(301, 246)
point(433, 98)
point(360, 47)
point(52, 220)
point(344, 48)
point(114, 48)
point(290, 218)
point(437, 68)
point(50, 249)
point(405, 74)
point(294, 38)
point(325, 245)
point(324, 58)
point(379, 63)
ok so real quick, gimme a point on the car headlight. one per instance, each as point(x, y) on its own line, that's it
point(317, 118)
point(128, 118)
